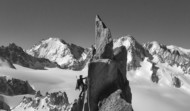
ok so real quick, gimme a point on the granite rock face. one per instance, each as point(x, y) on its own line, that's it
point(104, 41)
point(120, 55)
point(106, 74)
point(105, 77)
point(115, 103)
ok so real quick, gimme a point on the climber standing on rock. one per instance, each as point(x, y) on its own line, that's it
point(93, 52)
point(81, 85)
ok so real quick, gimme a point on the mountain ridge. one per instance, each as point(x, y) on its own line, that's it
point(57, 50)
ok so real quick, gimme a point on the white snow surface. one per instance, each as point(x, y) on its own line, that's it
point(56, 50)
point(146, 95)
point(4, 63)
point(149, 96)
point(156, 47)
point(180, 49)
point(50, 80)
point(126, 41)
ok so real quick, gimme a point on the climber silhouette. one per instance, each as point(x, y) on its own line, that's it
point(81, 85)
point(93, 52)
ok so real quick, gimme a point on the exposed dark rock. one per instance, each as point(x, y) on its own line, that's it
point(154, 76)
point(4, 106)
point(120, 55)
point(38, 94)
point(14, 86)
point(75, 106)
point(104, 41)
point(106, 73)
point(115, 103)
point(59, 98)
point(176, 82)
point(105, 77)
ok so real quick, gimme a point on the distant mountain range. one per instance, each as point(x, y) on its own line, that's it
point(148, 64)
point(55, 52)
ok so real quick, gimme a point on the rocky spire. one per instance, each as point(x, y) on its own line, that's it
point(103, 40)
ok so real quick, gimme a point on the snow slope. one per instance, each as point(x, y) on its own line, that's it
point(50, 102)
point(149, 96)
point(5, 63)
point(57, 50)
point(51, 80)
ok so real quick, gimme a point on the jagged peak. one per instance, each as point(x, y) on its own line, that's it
point(97, 18)
point(99, 21)
point(50, 40)
point(126, 40)
point(55, 39)
point(128, 37)
point(154, 45)
point(12, 46)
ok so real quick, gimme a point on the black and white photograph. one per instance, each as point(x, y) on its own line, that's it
point(94, 55)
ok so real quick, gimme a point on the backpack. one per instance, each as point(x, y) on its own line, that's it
point(77, 85)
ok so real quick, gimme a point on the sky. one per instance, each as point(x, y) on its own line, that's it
point(26, 22)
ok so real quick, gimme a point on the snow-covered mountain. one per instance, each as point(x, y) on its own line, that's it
point(57, 50)
point(135, 51)
point(152, 80)
point(14, 54)
point(170, 54)
point(56, 101)
point(168, 64)
point(158, 75)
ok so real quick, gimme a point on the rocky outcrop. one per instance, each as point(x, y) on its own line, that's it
point(56, 101)
point(104, 41)
point(115, 103)
point(4, 106)
point(38, 94)
point(176, 82)
point(120, 55)
point(105, 77)
point(6, 63)
point(14, 86)
point(68, 56)
point(154, 76)
point(16, 55)
point(106, 74)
